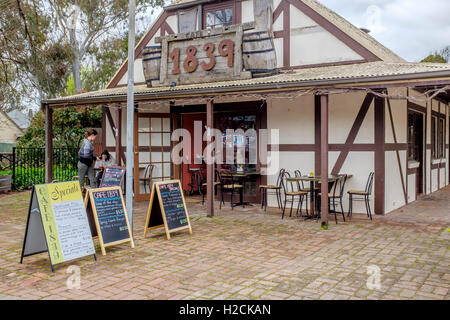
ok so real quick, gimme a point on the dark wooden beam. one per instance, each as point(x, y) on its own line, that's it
point(48, 144)
point(353, 132)
point(324, 158)
point(118, 134)
point(317, 120)
point(380, 160)
point(210, 176)
point(405, 194)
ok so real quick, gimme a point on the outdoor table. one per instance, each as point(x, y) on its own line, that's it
point(242, 177)
point(312, 180)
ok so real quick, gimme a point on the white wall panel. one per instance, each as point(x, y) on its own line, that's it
point(394, 196)
point(294, 118)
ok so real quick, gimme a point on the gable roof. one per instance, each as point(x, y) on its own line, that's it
point(354, 32)
point(11, 120)
point(19, 118)
point(338, 21)
point(367, 42)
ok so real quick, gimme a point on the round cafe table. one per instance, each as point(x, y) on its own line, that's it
point(312, 180)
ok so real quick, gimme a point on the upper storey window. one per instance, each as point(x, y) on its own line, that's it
point(217, 18)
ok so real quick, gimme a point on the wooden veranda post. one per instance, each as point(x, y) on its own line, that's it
point(324, 158)
point(210, 162)
point(48, 144)
point(380, 160)
point(118, 134)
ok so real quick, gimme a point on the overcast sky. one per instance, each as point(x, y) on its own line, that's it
point(411, 28)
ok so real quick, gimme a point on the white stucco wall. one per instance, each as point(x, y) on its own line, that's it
point(295, 120)
point(293, 117)
point(311, 44)
point(343, 110)
point(9, 132)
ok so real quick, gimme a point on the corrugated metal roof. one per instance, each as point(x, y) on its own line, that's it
point(177, 2)
point(352, 73)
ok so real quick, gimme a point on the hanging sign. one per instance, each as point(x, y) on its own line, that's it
point(202, 56)
point(167, 208)
point(57, 223)
point(110, 217)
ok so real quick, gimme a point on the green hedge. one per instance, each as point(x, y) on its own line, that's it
point(27, 177)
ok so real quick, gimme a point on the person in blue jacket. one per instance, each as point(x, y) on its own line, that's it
point(86, 159)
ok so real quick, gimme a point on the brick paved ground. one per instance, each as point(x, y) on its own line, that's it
point(247, 254)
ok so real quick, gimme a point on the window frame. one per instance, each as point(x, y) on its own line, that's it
point(433, 136)
point(441, 137)
point(216, 7)
point(438, 135)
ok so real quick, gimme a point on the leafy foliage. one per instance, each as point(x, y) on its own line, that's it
point(69, 125)
point(43, 43)
point(441, 56)
point(29, 176)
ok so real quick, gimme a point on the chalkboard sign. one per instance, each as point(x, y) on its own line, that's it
point(110, 216)
point(169, 210)
point(57, 223)
point(112, 177)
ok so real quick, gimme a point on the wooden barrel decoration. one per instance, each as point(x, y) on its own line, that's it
point(258, 53)
point(151, 63)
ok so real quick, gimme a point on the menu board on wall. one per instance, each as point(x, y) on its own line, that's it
point(112, 177)
point(109, 215)
point(57, 223)
point(167, 208)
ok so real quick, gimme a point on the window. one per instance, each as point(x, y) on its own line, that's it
point(441, 138)
point(433, 137)
point(437, 136)
point(411, 138)
point(187, 20)
point(415, 136)
point(217, 18)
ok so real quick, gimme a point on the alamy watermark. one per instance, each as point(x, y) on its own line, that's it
point(232, 147)
point(74, 280)
point(374, 280)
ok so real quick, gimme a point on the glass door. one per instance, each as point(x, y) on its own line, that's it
point(153, 152)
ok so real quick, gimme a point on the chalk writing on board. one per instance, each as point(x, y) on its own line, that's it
point(173, 204)
point(112, 177)
point(111, 215)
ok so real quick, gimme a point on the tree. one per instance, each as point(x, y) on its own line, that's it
point(84, 22)
point(30, 60)
point(441, 56)
point(69, 125)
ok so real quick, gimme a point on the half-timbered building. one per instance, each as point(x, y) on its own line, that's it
point(383, 114)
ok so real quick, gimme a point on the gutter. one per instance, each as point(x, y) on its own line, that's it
point(187, 4)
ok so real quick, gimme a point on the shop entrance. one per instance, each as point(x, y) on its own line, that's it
point(152, 160)
point(242, 115)
point(416, 148)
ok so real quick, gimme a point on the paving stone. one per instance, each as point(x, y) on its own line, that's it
point(248, 254)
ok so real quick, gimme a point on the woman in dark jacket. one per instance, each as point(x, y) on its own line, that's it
point(86, 158)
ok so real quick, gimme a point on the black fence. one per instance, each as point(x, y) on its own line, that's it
point(28, 166)
point(6, 160)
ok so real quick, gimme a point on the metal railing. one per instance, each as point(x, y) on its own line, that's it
point(28, 166)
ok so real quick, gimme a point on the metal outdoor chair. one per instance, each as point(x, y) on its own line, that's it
point(336, 194)
point(204, 186)
point(229, 184)
point(148, 177)
point(359, 195)
point(302, 187)
point(277, 188)
point(196, 180)
point(290, 194)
